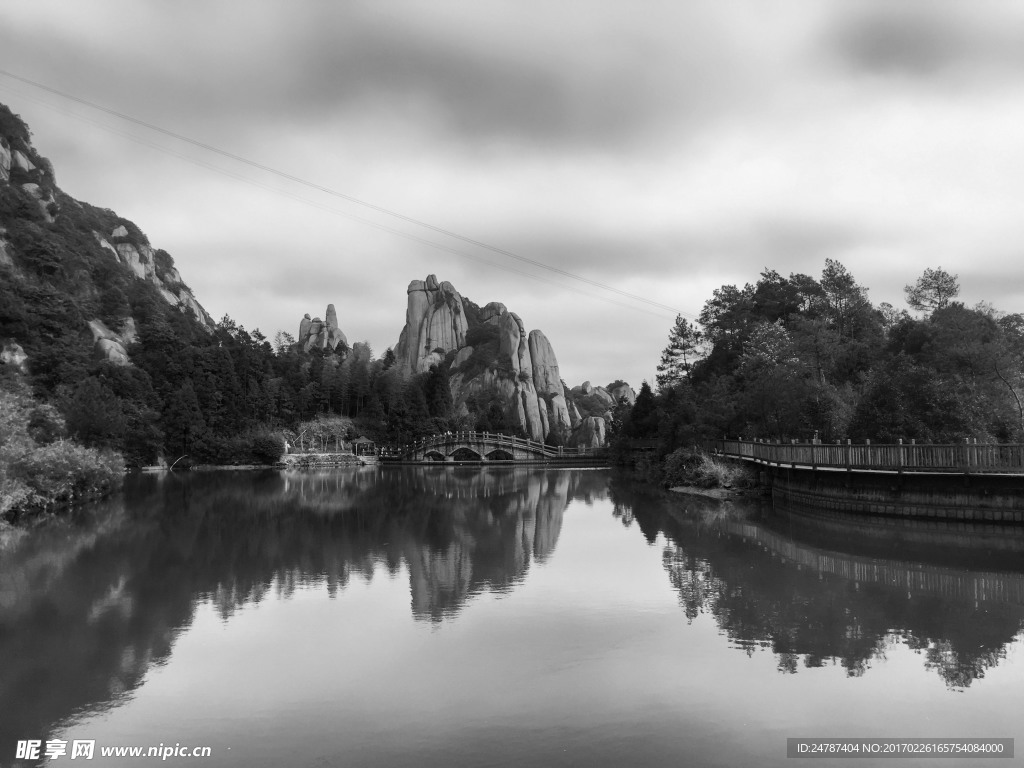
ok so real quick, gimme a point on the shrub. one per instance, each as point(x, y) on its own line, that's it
point(65, 472)
point(694, 467)
point(267, 448)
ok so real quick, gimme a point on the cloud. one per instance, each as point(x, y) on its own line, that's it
point(479, 73)
point(930, 40)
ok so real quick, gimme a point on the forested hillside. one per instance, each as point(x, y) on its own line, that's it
point(798, 358)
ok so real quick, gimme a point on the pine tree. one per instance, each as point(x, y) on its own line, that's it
point(683, 350)
point(642, 421)
point(933, 290)
point(183, 419)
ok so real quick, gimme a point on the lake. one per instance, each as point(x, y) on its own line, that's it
point(432, 616)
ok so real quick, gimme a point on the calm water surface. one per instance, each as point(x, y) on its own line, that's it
point(503, 617)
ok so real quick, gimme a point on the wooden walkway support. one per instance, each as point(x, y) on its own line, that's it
point(965, 458)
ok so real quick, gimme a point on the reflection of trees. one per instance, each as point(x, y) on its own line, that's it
point(786, 586)
point(86, 607)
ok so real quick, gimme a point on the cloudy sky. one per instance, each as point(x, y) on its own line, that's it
point(662, 149)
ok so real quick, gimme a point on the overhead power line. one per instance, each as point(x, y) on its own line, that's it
point(335, 211)
point(341, 195)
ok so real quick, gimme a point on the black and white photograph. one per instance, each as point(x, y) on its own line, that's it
point(503, 383)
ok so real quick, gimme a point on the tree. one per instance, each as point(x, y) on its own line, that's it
point(95, 415)
point(642, 421)
point(283, 341)
point(684, 341)
point(183, 419)
point(933, 290)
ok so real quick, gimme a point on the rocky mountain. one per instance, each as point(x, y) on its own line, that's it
point(492, 359)
point(435, 324)
point(92, 256)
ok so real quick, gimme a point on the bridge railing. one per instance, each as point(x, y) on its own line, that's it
point(963, 458)
point(491, 438)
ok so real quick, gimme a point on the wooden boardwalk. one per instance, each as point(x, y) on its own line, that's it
point(967, 458)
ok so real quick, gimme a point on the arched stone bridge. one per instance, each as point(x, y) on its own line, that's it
point(482, 447)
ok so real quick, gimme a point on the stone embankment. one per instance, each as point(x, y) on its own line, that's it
point(310, 460)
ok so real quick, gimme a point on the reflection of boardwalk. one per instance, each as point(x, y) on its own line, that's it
point(913, 577)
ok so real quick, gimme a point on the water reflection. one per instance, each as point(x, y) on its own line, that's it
point(87, 605)
point(822, 588)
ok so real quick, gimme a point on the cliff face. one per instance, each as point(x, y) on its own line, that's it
point(435, 324)
point(504, 362)
point(91, 256)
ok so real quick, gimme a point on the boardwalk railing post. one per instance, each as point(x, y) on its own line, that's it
point(899, 455)
point(849, 447)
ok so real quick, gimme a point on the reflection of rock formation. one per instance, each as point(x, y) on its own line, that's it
point(499, 521)
point(814, 594)
point(92, 607)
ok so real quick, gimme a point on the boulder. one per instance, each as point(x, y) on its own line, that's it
point(5, 160)
point(43, 201)
point(131, 258)
point(604, 395)
point(464, 354)
point(589, 434)
point(108, 345)
point(111, 351)
point(623, 391)
point(13, 355)
point(304, 324)
point(586, 389)
point(5, 256)
point(20, 160)
point(493, 309)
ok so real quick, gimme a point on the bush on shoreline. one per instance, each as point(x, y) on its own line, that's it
point(40, 472)
point(694, 467)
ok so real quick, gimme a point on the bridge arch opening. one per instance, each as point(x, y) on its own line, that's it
point(433, 456)
point(465, 454)
point(500, 454)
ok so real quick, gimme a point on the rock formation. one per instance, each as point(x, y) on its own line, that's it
point(518, 368)
point(623, 391)
point(321, 334)
point(141, 260)
point(5, 254)
point(435, 324)
point(608, 398)
point(110, 346)
point(13, 355)
point(5, 160)
point(589, 434)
